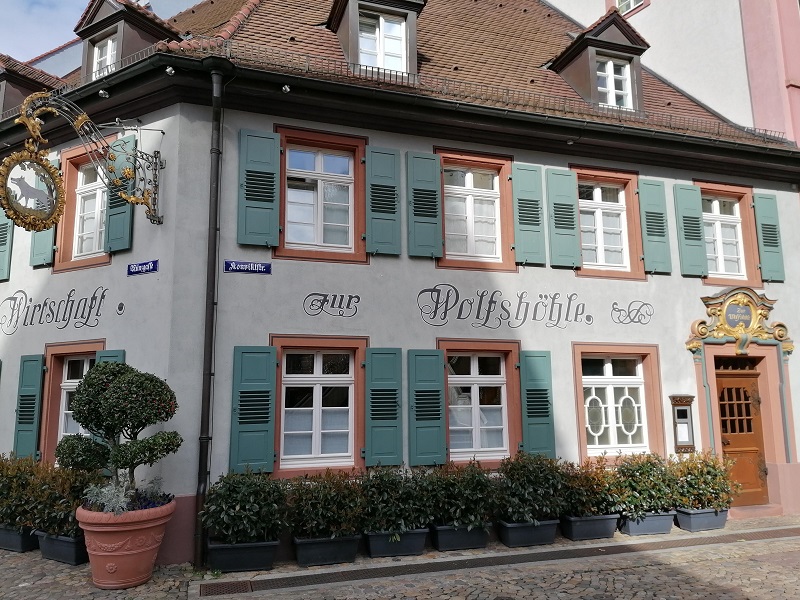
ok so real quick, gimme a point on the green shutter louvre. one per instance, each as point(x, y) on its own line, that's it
point(538, 432)
point(655, 232)
point(562, 203)
point(384, 435)
point(6, 243)
point(529, 247)
point(258, 221)
point(29, 405)
point(424, 189)
point(253, 409)
point(691, 238)
point(383, 201)
point(119, 212)
point(110, 356)
point(769, 237)
point(427, 434)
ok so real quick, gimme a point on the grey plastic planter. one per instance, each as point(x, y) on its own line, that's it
point(651, 523)
point(701, 519)
point(69, 550)
point(589, 528)
point(515, 535)
point(411, 543)
point(249, 556)
point(326, 551)
point(447, 537)
point(11, 539)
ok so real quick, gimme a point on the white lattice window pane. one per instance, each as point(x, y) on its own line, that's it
point(301, 160)
point(482, 180)
point(485, 208)
point(335, 443)
point(460, 396)
point(624, 367)
point(492, 438)
point(728, 208)
point(297, 444)
point(299, 397)
point(335, 419)
point(596, 406)
point(602, 78)
point(299, 364)
point(336, 215)
point(614, 256)
point(393, 27)
point(70, 425)
point(456, 224)
point(588, 220)
point(491, 416)
point(460, 439)
point(457, 244)
point(336, 164)
point(592, 367)
point(455, 205)
point(621, 99)
point(455, 177)
point(299, 212)
point(459, 365)
point(335, 364)
point(393, 63)
point(485, 247)
point(609, 194)
point(393, 46)
point(336, 194)
point(612, 221)
point(298, 420)
point(460, 416)
point(489, 365)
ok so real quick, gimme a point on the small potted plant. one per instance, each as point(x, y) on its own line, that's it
point(705, 491)
point(461, 497)
point(56, 494)
point(529, 499)
point(593, 500)
point(325, 517)
point(115, 403)
point(245, 514)
point(16, 475)
point(647, 487)
point(396, 511)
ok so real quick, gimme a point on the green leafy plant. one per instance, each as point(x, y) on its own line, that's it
point(17, 477)
point(530, 488)
point(245, 507)
point(592, 488)
point(395, 500)
point(647, 484)
point(55, 495)
point(461, 495)
point(325, 506)
point(704, 481)
point(115, 403)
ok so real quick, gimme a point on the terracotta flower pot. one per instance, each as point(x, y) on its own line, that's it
point(123, 548)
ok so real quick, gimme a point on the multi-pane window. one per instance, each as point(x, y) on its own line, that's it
point(476, 399)
point(614, 83)
point(319, 199)
point(74, 370)
point(722, 226)
point(628, 5)
point(472, 214)
point(381, 41)
point(604, 237)
point(317, 408)
point(614, 404)
point(105, 57)
point(90, 213)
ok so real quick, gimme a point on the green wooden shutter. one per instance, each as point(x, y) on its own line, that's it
point(528, 214)
point(258, 221)
point(119, 212)
point(691, 239)
point(562, 202)
point(110, 356)
point(427, 443)
point(29, 405)
point(383, 204)
point(655, 232)
point(6, 243)
point(424, 189)
point(43, 242)
point(538, 433)
point(769, 237)
point(384, 435)
point(253, 409)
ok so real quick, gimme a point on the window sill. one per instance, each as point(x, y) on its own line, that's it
point(83, 263)
point(358, 257)
point(611, 274)
point(753, 282)
point(476, 265)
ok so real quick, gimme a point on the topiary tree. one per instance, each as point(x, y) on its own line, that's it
point(115, 403)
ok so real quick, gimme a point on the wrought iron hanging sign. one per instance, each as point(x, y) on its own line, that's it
point(31, 189)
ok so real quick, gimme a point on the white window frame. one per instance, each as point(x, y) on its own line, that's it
point(717, 221)
point(608, 95)
point(605, 384)
point(317, 380)
point(104, 57)
point(377, 22)
point(319, 179)
point(474, 382)
point(68, 386)
point(469, 194)
point(598, 209)
point(98, 188)
point(626, 6)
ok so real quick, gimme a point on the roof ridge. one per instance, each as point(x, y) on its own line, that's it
point(238, 19)
point(52, 51)
point(29, 71)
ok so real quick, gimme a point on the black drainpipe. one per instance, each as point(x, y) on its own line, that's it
point(218, 67)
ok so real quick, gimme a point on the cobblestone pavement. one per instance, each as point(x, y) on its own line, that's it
point(746, 570)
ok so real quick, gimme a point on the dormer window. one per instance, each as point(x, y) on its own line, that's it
point(625, 6)
point(382, 41)
point(105, 57)
point(614, 82)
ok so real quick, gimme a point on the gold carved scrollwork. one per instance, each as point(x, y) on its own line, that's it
point(37, 200)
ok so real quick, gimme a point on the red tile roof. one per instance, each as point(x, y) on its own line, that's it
point(7, 63)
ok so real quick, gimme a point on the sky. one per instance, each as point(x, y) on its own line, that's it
point(29, 28)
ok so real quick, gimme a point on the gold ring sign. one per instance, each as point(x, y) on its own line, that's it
point(31, 190)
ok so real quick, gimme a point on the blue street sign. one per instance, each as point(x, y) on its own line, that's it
point(243, 266)
point(142, 268)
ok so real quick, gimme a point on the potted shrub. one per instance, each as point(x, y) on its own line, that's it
point(325, 516)
point(529, 499)
point(115, 403)
point(56, 494)
point(396, 511)
point(245, 514)
point(593, 498)
point(461, 497)
point(16, 476)
point(647, 487)
point(705, 491)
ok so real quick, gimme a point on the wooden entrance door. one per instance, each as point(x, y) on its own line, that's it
point(742, 435)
